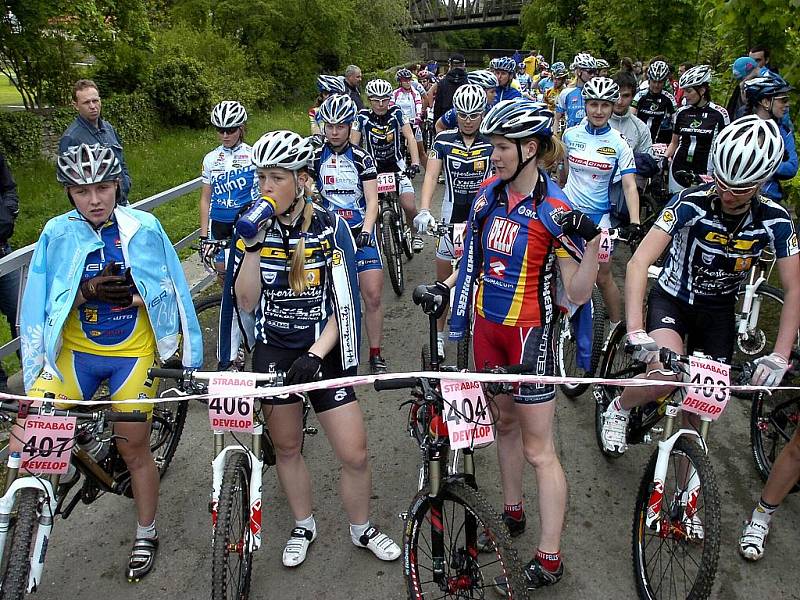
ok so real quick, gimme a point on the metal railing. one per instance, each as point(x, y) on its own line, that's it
point(19, 260)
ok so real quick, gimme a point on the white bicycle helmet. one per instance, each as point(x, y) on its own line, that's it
point(403, 74)
point(657, 71)
point(483, 78)
point(85, 165)
point(379, 88)
point(518, 119)
point(469, 99)
point(331, 84)
point(338, 108)
point(584, 60)
point(602, 63)
point(699, 75)
point(283, 149)
point(504, 63)
point(747, 152)
point(228, 113)
point(600, 88)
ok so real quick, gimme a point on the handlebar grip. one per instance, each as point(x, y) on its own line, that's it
point(166, 373)
point(131, 417)
point(395, 384)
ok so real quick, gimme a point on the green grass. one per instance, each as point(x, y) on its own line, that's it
point(8, 93)
point(175, 157)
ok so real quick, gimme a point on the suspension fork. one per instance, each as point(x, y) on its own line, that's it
point(751, 303)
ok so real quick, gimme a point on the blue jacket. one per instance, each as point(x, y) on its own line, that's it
point(787, 169)
point(83, 132)
point(55, 273)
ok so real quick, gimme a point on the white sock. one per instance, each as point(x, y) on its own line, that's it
point(146, 532)
point(307, 523)
point(441, 335)
point(618, 406)
point(356, 531)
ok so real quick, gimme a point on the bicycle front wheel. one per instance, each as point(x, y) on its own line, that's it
point(440, 547)
point(166, 429)
point(231, 557)
point(391, 251)
point(774, 420)
point(676, 557)
point(17, 553)
point(567, 346)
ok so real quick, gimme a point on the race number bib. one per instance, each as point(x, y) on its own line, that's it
point(386, 183)
point(606, 246)
point(458, 239)
point(227, 409)
point(47, 444)
point(467, 414)
point(707, 401)
point(660, 150)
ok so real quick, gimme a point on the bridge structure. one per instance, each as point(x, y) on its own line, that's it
point(443, 15)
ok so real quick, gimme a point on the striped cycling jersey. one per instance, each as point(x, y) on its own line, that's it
point(597, 159)
point(97, 327)
point(340, 178)
point(464, 170)
point(711, 252)
point(382, 137)
point(231, 175)
point(696, 128)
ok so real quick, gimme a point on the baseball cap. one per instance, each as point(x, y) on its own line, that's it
point(742, 66)
point(457, 59)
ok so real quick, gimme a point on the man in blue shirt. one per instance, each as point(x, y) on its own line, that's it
point(89, 128)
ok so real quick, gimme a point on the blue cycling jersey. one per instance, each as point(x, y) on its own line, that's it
point(231, 175)
point(570, 104)
point(506, 93)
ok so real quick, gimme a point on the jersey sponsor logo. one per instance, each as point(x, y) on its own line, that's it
point(337, 257)
point(313, 276)
point(345, 214)
point(455, 164)
point(695, 124)
point(329, 180)
point(527, 212)
point(602, 166)
point(502, 235)
point(707, 258)
point(667, 218)
point(270, 276)
point(480, 203)
point(743, 264)
point(722, 239)
point(792, 242)
point(497, 268)
point(432, 154)
point(607, 151)
point(480, 166)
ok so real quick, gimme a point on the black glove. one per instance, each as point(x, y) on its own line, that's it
point(436, 299)
point(363, 239)
point(108, 286)
point(305, 368)
point(412, 171)
point(635, 234)
point(575, 222)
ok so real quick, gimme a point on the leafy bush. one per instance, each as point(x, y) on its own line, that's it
point(180, 88)
point(132, 115)
point(122, 70)
point(20, 135)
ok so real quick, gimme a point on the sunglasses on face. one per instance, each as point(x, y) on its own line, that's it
point(380, 100)
point(781, 98)
point(734, 191)
point(228, 130)
point(469, 117)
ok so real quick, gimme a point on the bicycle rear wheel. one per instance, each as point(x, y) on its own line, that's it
point(231, 557)
point(17, 553)
point(567, 346)
point(391, 251)
point(459, 514)
point(677, 558)
point(774, 420)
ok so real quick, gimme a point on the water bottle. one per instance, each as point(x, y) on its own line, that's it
point(95, 448)
point(256, 217)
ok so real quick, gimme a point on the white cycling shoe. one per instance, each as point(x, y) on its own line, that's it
point(379, 543)
point(615, 429)
point(753, 540)
point(294, 553)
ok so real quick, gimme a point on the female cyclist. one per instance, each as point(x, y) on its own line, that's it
point(297, 274)
point(511, 251)
point(714, 233)
point(464, 155)
point(327, 85)
point(408, 98)
point(504, 68)
point(654, 105)
point(105, 296)
point(696, 125)
point(569, 103)
point(597, 157)
point(229, 184)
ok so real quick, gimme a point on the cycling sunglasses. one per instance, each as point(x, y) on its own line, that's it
point(469, 117)
point(227, 130)
point(734, 191)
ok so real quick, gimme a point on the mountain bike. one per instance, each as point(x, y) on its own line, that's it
point(237, 471)
point(440, 541)
point(62, 450)
point(394, 234)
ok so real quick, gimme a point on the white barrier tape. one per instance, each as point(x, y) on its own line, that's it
point(359, 380)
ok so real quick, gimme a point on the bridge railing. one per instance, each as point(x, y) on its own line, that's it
point(20, 259)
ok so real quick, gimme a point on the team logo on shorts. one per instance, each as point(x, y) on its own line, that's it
point(668, 320)
point(340, 395)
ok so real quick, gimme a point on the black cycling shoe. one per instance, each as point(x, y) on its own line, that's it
point(142, 559)
point(536, 576)
point(515, 528)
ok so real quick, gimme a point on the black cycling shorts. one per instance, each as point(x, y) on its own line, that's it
point(321, 400)
point(710, 330)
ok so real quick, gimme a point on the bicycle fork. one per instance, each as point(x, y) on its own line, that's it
point(255, 465)
point(687, 494)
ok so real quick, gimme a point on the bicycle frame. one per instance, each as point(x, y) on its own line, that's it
point(256, 468)
point(747, 319)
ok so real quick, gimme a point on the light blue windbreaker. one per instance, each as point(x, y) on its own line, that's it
point(54, 278)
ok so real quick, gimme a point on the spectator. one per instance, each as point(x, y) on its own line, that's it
point(531, 63)
point(9, 283)
point(685, 66)
point(90, 128)
point(743, 68)
point(761, 55)
point(626, 66)
point(455, 77)
point(638, 70)
point(352, 81)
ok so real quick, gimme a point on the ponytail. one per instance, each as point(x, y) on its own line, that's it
point(297, 272)
point(551, 152)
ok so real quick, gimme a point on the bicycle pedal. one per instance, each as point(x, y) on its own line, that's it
point(311, 431)
point(403, 516)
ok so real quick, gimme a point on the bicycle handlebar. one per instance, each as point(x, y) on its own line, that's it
point(395, 384)
point(47, 410)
